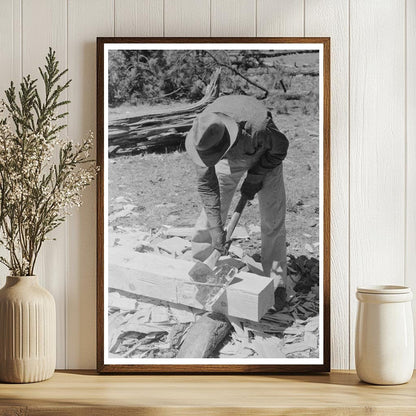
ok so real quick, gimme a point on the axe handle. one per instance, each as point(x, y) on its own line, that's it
point(211, 261)
point(235, 218)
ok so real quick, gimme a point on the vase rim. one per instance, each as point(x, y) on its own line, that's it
point(384, 289)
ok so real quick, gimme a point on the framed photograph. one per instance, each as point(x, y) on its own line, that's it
point(213, 205)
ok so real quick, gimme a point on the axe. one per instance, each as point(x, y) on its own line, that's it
point(202, 270)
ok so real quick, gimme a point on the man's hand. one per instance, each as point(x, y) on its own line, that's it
point(218, 236)
point(251, 186)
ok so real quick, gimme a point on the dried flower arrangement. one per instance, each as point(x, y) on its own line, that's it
point(42, 175)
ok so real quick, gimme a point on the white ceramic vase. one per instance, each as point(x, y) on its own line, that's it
point(384, 352)
point(27, 331)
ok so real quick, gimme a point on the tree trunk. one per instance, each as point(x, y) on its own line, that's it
point(204, 336)
point(158, 129)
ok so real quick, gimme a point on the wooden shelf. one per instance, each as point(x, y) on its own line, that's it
point(86, 393)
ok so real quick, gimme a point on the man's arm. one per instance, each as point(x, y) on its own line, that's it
point(209, 191)
point(276, 153)
point(273, 157)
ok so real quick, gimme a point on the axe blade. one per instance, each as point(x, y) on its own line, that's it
point(200, 272)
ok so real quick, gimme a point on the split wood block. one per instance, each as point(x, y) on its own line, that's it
point(157, 277)
point(248, 296)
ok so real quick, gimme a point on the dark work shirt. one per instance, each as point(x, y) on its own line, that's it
point(258, 136)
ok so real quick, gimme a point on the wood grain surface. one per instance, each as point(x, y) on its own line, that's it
point(81, 258)
point(379, 35)
point(187, 18)
point(410, 275)
point(85, 393)
point(377, 149)
point(280, 18)
point(330, 18)
point(233, 18)
point(138, 18)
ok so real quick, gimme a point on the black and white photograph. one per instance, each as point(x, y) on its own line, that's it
point(213, 204)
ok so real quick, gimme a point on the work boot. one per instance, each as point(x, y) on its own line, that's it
point(280, 298)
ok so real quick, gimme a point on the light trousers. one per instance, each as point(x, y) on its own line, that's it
point(272, 204)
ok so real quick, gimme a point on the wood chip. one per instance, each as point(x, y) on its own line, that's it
point(114, 329)
point(312, 325)
point(236, 250)
point(253, 266)
point(240, 233)
point(182, 315)
point(135, 327)
point(311, 340)
point(300, 346)
point(254, 229)
point(281, 317)
point(115, 299)
point(124, 212)
point(176, 335)
point(309, 248)
point(143, 247)
point(267, 346)
point(184, 232)
point(174, 245)
point(292, 331)
point(239, 329)
point(159, 314)
point(121, 200)
point(230, 349)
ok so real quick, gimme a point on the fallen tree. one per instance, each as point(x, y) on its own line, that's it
point(159, 129)
point(204, 336)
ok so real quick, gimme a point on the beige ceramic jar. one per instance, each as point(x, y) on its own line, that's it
point(27, 331)
point(384, 352)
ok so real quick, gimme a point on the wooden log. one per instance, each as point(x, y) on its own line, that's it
point(248, 296)
point(140, 135)
point(204, 336)
point(152, 144)
point(211, 93)
point(128, 132)
point(168, 118)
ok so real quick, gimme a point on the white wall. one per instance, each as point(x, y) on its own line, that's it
point(373, 131)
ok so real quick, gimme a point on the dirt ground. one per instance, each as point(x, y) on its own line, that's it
point(162, 188)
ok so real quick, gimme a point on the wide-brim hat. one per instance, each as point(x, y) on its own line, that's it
point(210, 138)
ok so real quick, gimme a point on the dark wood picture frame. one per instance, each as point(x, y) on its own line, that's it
point(102, 367)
